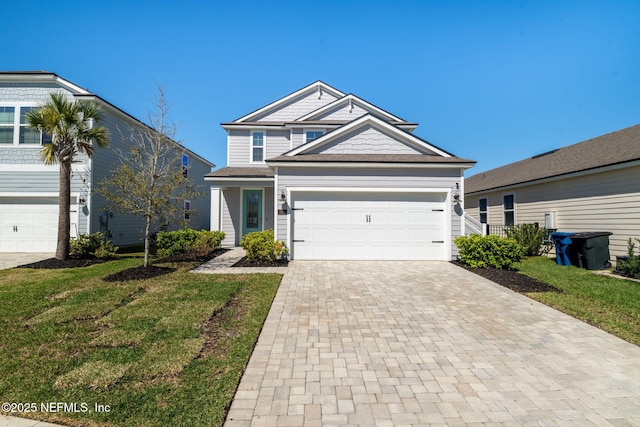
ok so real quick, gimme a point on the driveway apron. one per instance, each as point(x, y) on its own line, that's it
point(428, 343)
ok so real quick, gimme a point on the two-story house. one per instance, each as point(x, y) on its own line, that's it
point(338, 178)
point(29, 188)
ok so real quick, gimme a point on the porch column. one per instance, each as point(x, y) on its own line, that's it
point(215, 208)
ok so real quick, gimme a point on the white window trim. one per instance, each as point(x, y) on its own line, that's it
point(515, 220)
point(485, 212)
point(305, 130)
point(264, 146)
point(16, 123)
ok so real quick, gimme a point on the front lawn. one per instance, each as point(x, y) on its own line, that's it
point(163, 351)
point(609, 303)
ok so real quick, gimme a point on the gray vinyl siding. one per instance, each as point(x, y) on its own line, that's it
point(239, 143)
point(127, 229)
point(297, 107)
point(444, 179)
point(605, 201)
point(239, 146)
point(232, 211)
point(297, 137)
point(367, 139)
point(231, 216)
point(277, 142)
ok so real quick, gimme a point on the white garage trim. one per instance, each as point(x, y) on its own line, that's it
point(444, 193)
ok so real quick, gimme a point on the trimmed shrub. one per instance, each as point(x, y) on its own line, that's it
point(531, 237)
point(631, 266)
point(489, 251)
point(187, 240)
point(262, 246)
point(92, 246)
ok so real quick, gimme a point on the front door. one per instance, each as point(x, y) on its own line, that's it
point(251, 211)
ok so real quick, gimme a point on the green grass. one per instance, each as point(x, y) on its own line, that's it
point(611, 304)
point(137, 346)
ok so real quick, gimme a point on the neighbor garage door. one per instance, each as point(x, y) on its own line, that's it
point(30, 227)
point(369, 226)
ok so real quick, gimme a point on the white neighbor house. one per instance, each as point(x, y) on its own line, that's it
point(29, 189)
point(338, 178)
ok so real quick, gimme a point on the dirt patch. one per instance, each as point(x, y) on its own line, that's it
point(138, 273)
point(244, 262)
point(510, 279)
point(53, 263)
point(213, 329)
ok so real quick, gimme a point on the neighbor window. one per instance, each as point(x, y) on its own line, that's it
point(27, 134)
point(185, 166)
point(7, 115)
point(508, 207)
point(15, 130)
point(310, 135)
point(257, 147)
point(482, 210)
point(187, 210)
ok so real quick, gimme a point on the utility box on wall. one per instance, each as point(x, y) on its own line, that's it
point(550, 221)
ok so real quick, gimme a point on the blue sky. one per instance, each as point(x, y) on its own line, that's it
point(492, 81)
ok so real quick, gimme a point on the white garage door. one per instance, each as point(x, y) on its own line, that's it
point(30, 227)
point(369, 226)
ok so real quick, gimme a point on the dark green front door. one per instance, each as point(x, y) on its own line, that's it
point(251, 211)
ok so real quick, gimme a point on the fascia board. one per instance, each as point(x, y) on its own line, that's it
point(43, 77)
point(367, 119)
point(281, 101)
point(374, 165)
point(354, 99)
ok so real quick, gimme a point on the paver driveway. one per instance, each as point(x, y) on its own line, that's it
point(428, 343)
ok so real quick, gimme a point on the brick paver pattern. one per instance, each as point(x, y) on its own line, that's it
point(428, 343)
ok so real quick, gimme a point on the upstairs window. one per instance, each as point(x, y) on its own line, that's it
point(185, 166)
point(27, 134)
point(310, 135)
point(482, 210)
point(187, 210)
point(7, 115)
point(509, 209)
point(257, 147)
point(14, 129)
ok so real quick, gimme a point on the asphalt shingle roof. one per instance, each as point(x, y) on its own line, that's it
point(610, 149)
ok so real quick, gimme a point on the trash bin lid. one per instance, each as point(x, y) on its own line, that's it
point(590, 234)
point(562, 234)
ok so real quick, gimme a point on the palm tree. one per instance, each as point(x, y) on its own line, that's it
point(71, 126)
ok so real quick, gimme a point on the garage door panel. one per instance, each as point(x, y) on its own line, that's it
point(369, 226)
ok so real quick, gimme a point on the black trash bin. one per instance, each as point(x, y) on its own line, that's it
point(592, 249)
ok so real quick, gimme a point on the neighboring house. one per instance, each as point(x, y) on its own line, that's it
point(593, 185)
point(29, 188)
point(338, 178)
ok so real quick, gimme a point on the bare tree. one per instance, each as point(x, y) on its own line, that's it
point(150, 180)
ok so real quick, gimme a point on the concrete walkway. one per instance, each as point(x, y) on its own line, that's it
point(11, 260)
point(428, 343)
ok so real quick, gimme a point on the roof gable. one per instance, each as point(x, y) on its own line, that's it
point(611, 149)
point(292, 106)
point(348, 108)
point(365, 135)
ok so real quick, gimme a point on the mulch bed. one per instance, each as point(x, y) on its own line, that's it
point(53, 263)
point(139, 273)
point(510, 279)
point(246, 263)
